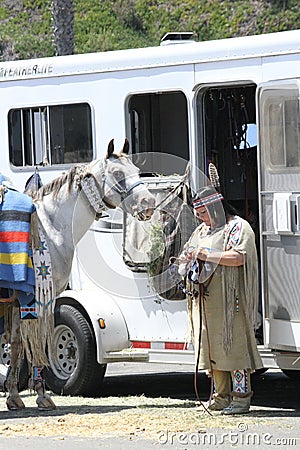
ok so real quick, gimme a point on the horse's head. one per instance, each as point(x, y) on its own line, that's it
point(122, 185)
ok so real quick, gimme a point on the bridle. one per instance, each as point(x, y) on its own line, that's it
point(95, 192)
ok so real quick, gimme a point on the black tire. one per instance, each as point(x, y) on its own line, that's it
point(73, 368)
point(259, 372)
point(292, 374)
point(4, 364)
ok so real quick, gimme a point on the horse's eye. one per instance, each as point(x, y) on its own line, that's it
point(119, 175)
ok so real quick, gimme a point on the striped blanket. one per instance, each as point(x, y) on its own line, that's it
point(16, 270)
point(26, 270)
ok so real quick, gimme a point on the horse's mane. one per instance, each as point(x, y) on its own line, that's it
point(71, 178)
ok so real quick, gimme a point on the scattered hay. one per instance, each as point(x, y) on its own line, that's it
point(115, 417)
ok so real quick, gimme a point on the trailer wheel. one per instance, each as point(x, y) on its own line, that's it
point(4, 364)
point(73, 368)
point(292, 374)
point(259, 372)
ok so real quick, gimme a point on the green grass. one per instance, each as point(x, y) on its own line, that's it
point(26, 31)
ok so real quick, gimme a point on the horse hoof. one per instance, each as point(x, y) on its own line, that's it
point(46, 405)
point(46, 408)
point(14, 404)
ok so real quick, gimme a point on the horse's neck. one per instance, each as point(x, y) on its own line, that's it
point(64, 219)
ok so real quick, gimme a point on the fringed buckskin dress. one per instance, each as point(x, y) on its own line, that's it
point(229, 311)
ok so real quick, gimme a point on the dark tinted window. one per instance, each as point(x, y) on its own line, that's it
point(50, 135)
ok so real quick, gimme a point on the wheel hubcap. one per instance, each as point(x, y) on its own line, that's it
point(64, 361)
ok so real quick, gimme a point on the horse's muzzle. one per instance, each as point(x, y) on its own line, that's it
point(145, 214)
point(145, 208)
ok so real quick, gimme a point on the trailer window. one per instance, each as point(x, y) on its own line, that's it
point(50, 135)
point(159, 126)
point(280, 127)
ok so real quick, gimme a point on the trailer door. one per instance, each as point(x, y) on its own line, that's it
point(279, 187)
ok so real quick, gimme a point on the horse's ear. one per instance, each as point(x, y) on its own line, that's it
point(110, 149)
point(126, 147)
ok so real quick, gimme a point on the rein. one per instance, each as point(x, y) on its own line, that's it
point(175, 188)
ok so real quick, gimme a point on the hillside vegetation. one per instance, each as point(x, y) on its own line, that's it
point(101, 25)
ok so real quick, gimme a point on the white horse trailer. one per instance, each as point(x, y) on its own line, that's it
point(234, 102)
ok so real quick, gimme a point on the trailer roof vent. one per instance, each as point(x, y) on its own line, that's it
point(184, 37)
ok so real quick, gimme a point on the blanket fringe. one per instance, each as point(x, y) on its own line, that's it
point(36, 337)
point(34, 231)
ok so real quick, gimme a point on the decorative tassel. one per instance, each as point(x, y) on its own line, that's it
point(213, 176)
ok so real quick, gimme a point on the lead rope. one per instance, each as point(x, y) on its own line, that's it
point(208, 350)
point(201, 297)
point(198, 354)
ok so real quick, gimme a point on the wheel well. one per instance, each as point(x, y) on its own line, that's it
point(70, 301)
point(115, 337)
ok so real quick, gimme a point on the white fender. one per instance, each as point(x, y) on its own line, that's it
point(99, 305)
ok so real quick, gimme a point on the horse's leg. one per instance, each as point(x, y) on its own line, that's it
point(43, 400)
point(35, 349)
point(14, 400)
